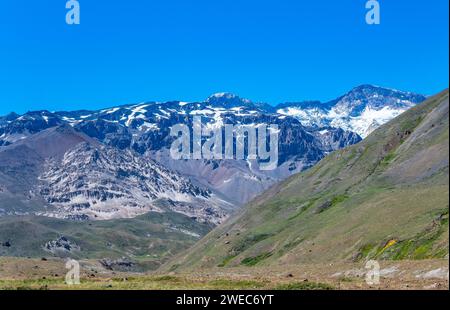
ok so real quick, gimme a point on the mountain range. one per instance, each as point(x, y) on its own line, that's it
point(144, 130)
point(113, 165)
point(386, 197)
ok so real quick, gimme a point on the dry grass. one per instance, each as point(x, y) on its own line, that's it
point(21, 273)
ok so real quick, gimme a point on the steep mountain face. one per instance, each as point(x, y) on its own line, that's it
point(21, 163)
point(60, 172)
point(105, 183)
point(361, 110)
point(384, 198)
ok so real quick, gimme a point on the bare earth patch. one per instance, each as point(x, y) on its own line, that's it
point(22, 273)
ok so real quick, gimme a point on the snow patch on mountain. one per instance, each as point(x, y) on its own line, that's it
point(361, 110)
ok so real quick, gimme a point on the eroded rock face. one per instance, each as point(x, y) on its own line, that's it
point(61, 246)
point(122, 264)
point(99, 183)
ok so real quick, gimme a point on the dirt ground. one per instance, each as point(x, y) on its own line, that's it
point(23, 273)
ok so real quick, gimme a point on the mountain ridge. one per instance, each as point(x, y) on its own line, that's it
point(384, 198)
point(145, 128)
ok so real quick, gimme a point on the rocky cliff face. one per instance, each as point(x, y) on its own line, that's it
point(104, 183)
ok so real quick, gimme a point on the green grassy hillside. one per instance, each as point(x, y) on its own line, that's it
point(147, 240)
point(384, 198)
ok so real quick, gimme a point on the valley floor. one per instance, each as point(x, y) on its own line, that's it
point(23, 273)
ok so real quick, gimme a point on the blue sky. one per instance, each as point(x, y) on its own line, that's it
point(272, 51)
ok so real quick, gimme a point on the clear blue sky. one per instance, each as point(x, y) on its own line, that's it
point(128, 51)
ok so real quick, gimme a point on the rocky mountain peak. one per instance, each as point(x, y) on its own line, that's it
point(227, 100)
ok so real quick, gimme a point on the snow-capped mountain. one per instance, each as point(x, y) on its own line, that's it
point(361, 110)
point(230, 101)
point(115, 162)
point(145, 129)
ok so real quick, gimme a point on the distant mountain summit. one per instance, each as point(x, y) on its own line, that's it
point(361, 110)
point(226, 99)
point(229, 101)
